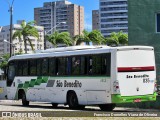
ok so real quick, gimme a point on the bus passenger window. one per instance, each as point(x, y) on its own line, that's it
point(11, 74)
point(25, 68)
point(90, 66)
point(45, 67)
point(83, 65)
point(61, 66)
point(33, 66)
point(96, 64)
point(52, 66)
point(104, 65)
point(69, 65)
point(75, 65)
point(20, 68)
point(108, 64)
point(39, 67)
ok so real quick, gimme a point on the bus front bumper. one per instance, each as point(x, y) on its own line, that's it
point(117, 98)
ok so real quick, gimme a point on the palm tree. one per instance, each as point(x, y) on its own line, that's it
point(26, 31)
point(114, 37)
point(122, 38)
point(111, 42)
point(59, 38)
point(78, 39)
point(85, 36)
point(96, 37)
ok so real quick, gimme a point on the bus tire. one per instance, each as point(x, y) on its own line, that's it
point(24, 100)
point(81, 107)
point(54, 105)
point(107, 107)
point(72, 100)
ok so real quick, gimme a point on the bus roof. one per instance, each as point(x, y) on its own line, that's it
point(76, 50)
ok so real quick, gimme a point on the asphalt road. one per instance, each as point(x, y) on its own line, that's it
point(9, 105)
point(14, 109)
point(39, 109)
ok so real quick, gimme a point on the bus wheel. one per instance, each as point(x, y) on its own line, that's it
point(107, 107)
point(54, 105)
point(81, 107)
point(24, 100)
point(72, 100)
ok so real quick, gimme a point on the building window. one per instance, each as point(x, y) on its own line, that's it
point(158, 22)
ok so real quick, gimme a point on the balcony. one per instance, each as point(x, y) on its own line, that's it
point(114, 11)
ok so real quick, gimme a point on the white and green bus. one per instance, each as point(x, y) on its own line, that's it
point(84, 75)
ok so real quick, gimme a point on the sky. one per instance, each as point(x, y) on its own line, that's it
point(24, 10)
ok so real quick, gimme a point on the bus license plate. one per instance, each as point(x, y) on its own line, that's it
point(137, 100)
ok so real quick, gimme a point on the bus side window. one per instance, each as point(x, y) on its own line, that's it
point(108, 64)
point(96, 64)
point(25, 68)
point(45, 66)
point(61, 66)
point(39, 67)
point(69, 60)
point(11, 73)
point(56, 66)
point(52, 66)
point(83, 65)
point(33, 66)
point(19, 68)
point(90, 62)
point(104, 65)
point(75, 65)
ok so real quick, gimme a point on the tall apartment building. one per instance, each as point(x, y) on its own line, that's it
point(19, 44)
point(113, 16)
point(53, 13)
point(95, 19)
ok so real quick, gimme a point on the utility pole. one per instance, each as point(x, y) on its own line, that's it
point(11, 23)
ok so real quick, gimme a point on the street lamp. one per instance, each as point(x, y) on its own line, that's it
point(46, 32)
point(11, 22)
point(12, 45)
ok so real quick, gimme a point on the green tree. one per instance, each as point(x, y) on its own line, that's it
point(26, 30)
point(114, 38)
point(111, 42)
point(96, 37)
point(122, 38)
point(4, 63)
point(85, 36)
point(60, 38)
point(78, 39)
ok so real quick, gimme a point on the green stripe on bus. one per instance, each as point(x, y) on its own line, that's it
point(44, 79)
point(30, 84)
point(117, 98)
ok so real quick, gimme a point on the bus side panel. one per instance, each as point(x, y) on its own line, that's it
point(113, 70)
point(99, 90)
point(89, 90)
point(11, 92)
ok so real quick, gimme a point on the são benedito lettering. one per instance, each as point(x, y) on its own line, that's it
point(76, 83)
